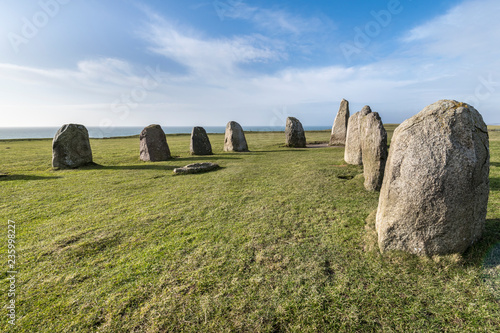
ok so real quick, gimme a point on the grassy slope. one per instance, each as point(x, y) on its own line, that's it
point(275, 241)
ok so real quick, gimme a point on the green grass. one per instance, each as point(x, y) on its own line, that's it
point(275, 241)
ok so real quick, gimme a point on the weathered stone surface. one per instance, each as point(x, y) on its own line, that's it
point(294, 133)
point(154, 145)
point(71, 147)
point(200, 144)
point(235, 138)
point(374, 150)
point(435, 190)
point(352, 153)
point(339, 129)
point(196, 168)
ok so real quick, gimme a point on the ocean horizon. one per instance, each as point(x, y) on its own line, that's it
point(96, 132)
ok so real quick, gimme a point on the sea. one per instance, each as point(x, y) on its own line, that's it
point(9, 133)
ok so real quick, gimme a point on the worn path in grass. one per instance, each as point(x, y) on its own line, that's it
point(274, 241)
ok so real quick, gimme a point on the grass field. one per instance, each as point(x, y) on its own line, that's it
point(275, 241)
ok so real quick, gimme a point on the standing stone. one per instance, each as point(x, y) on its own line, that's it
point(200, 144)
point(374, 150)
point(435, 190)
point(154, 145)
point(352, 153)
point(71, 147)
point(235, 138)
point(294, 133)
point(339, 129)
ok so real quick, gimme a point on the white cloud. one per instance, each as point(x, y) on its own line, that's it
point(467, 30)
point(457, 55)
point(447, 57)
point(208, 56)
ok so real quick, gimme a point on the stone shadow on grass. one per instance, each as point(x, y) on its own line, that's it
point(138, 167)
point(278, 151)
point(495, 164)
point(494, 184)
point(477, 253)
point(491, 259)
point(485, 253)
point(206, 158)
point(144, 166)
point(26, 177)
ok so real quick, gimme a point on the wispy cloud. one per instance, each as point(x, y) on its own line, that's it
point(451, 56)
point(202, 54)
point(466, 30)
point(274, 20)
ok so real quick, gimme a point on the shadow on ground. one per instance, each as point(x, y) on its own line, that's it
point(477, 253)
point(205, 158)
point(134, 167)
point(26, 177)
point(491, 258)
point(494, 184)
point(280, 151)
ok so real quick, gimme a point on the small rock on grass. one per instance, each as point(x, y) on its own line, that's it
point(196, 168)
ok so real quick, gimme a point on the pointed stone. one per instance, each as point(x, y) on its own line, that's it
point(153, 144)
point(374, 150)
point(71, 147)
point(434, 195)
point(352, 153)
point(294, 133)
point(235, 138)
point(339, 129)
point(200, 144)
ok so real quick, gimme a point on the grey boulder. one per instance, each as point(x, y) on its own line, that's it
point(196, 168)
point(352, 153)
point(374, 150)
point(294, 133)
point(234, 138)
point(71, 147)
point(435, 191)
point(200, 144)
point(153, 144)
point(339, 128)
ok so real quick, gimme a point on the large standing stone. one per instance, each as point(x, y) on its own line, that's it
point(200, 144)
point(374, 150)
point(235, 138)
point(154, 145)
point(435, 190)
point(352, 153)
point(339, 129)
point(71, 147)
point(294, 133)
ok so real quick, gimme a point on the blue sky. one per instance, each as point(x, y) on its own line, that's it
point(186, 63)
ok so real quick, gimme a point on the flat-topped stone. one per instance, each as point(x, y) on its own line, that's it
point(71, 147)
point(153, 144)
